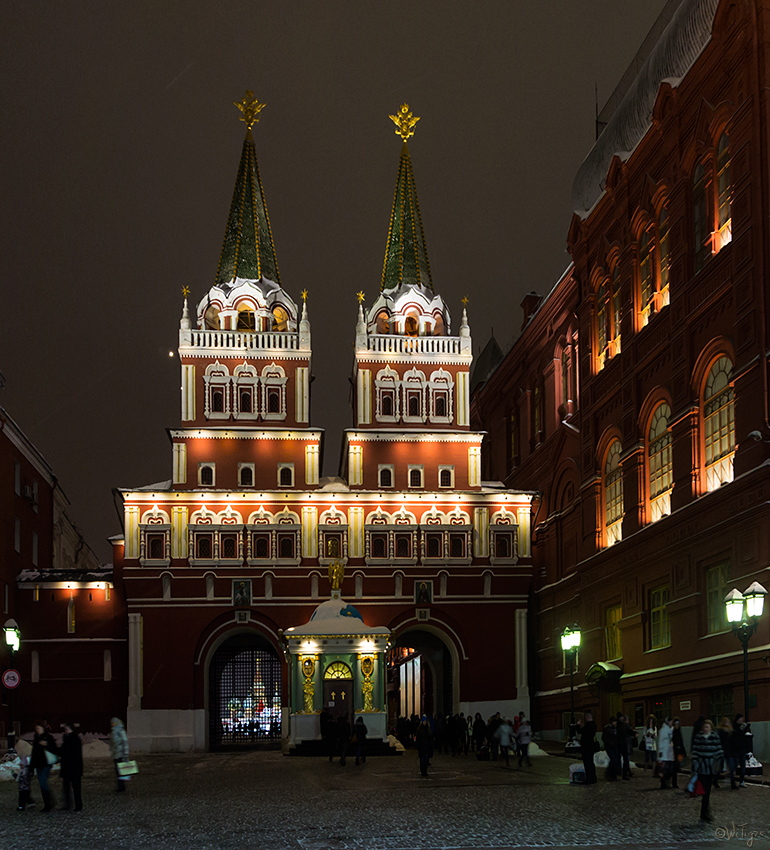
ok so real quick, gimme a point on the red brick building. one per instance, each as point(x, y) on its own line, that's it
point(636, 398)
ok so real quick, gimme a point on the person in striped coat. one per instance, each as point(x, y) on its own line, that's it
point(707, 756)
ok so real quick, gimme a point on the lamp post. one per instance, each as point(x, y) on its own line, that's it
point(743, 611)
point(570, 641)
point(13, 640)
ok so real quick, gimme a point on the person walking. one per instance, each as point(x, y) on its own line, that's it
point(343, 737)
point(626, 736)
point(360, 730)
point(610, 741)
point(650, 739)
point(707, 755)
point(725, 731)
point(741, 747)
point(524, 737)
point(461, 724)
point(504, 735)
point(119, 747)
point(328, 732)
point(71, 767)
point(665, 752)
point(588, 746)
point(680, 753)
point(696, 728)
point(479, 732)
point(494, 741)
point(424, 741)
point(44, 754)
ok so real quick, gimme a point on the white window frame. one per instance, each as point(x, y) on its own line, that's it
point(416, 467)
point(281, 467)
point(207, 464)
point(380, 468)
point(252, 467)
point(442, 468)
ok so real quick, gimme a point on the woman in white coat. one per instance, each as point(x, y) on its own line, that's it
point(666, 751)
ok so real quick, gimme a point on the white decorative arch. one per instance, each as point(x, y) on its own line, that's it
point(333, 516)
point(156, 516)
point(379, 517)
point(434, 517)
point(203, 516)
point(404, 517)
point(504, 517)
point(216, 377)
point(229, 517)
point(261, 517)
point(457, 516)
point(273, 379)
point(246, 391)
point(286, 517)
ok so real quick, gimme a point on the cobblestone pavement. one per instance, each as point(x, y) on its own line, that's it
point(270, 802)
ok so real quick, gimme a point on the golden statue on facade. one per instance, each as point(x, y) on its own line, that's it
point(336, 574)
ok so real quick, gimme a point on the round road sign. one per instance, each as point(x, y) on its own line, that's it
point(11, 678)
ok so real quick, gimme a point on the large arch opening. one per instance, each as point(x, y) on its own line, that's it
point(421, 676)
point(244, 694)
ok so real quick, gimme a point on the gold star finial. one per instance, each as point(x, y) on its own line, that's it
point(404, 121)
point(360, 295)
point(250, 108)
point(465, 300)
point(304, 294)
point(185, 291)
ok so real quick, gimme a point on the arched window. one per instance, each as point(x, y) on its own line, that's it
point(280, 319)
point(602, 337)
point(207, 476)
point(229, 546)
point(614, 332)
point(379, 546)
point(211, 318)
point(414, 405)
point(262, 546)
point(445, 478)
point(565, 399)
point(403, 546)
point(286, 546)
point(387, 404)
point(613, 494)
point(246, 320)
point(440, 405)
point(415, 478)
point(247, 476)
point(244, 401)
point(273, 401)
point(383, 322)
point(664, 256)
point(386, 478)
point(719, 424)
point(537, 418)
point(646, 278)
point(411, 326)
point(439, 328)
point(701, 229)
point(724, 194)
point(286, 476)
point(217, 400)
point(333, 547)
point(659, 463)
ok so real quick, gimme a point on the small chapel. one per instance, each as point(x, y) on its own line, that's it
point(232, 641)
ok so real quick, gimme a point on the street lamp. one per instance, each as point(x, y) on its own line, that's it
point(13, 640)
point(743, 611)
point(570, 641)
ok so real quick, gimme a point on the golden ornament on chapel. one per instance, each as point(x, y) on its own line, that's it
point(250, 108)
point(336, 574)
point(361, 296)
point(404, 121)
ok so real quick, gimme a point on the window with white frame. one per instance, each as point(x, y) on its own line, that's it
point(385, 473)
point(660, 627)
point(216, 399)
point(434, 544)
point(661, 479)
point(717, 587)
point(246, 474)
point(245, 392)
point(285, 474)
point(413, 392)
point(613, 494)
point(446, 476)
point(416, 475)
point(206, 474)
point(440, 389)
point(719, 424)
point(273, 382)
point(386, 385)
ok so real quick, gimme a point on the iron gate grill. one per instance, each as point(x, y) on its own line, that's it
point(244, 697)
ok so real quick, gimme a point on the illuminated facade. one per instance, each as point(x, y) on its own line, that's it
point(221, 561)
point(652, 463)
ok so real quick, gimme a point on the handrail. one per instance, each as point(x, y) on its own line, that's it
point(270, 340)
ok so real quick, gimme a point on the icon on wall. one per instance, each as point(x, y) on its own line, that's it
point(242, 592)
point(423, 592)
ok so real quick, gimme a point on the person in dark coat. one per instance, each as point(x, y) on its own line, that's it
point(360, 730)
point(424, 741)
point(587, 730)
point(343, 736)
point(43, 743)
point(71, 767)
point(741, 747)
point(707, 758)
point(725, 732)
point(626, 738)
point(328, 732)
point(610, 741)
point(494, 742)
point(696, 728)
point(680, 753)
point(479, 732)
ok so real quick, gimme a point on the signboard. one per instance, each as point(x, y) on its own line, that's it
point(685, 705)
point(11, 678)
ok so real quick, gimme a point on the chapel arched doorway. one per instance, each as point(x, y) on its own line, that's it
point(421, 676)
point(338, 690)
point(244, 694)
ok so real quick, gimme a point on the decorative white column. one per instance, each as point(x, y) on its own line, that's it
point(135, 661)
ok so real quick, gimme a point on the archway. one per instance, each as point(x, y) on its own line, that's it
point(421, 675)
point(244, 694)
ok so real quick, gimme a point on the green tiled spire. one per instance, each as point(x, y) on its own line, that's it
point(247, 251)
point(406, 255)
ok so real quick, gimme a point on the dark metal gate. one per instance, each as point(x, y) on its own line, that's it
point(244, 694)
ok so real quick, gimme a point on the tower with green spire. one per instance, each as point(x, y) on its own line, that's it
point(411, 375)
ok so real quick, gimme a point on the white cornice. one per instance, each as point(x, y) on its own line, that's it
point(194, 353)
point(511, 498)
point(399, 435)
point(227, 433)
point(414, 359)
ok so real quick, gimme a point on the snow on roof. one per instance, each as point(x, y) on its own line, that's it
point(162, 486)
point(680, 44)
point(336, 617)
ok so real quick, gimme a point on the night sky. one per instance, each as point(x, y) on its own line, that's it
point(120, 145)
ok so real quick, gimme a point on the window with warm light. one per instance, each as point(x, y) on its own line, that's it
point(724, 195)
point(612, 632)
point(660, 628)
point(646, 278)
point(613, 494)
point(601, 324)
point(246, 320)
point(719, 424)
point(660, 468)
point(664, 258)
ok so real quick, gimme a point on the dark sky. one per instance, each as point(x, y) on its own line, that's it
point(120, 146)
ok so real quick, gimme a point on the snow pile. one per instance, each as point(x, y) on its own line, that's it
point(23, 748)
point(96, 749)
point(394, 742)
point(601, 759)
point(534, 750)
point(9, 769)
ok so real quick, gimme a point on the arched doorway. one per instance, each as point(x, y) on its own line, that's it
point(421, 676)
point(244, 694)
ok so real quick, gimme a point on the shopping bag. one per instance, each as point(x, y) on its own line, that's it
point(127, 768)
point(51, 758)
point(699, 789)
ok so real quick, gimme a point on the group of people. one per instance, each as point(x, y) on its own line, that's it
point(459, 735)
point(712, 751)
point(46, 753)
point(337, 736)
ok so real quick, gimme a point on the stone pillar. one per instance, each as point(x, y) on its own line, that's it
point(135, 651)
point(520, 646)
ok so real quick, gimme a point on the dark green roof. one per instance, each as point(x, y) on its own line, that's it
point(406, 255)
point(247, 251)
